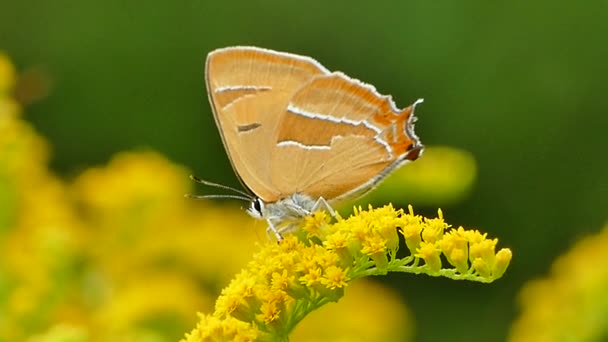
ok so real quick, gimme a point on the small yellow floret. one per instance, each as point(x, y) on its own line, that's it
point(430, 252)
point(373, 245)
point(335, 277)
point(433, 228)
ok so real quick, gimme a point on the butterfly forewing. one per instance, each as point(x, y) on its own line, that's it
point(249, 89)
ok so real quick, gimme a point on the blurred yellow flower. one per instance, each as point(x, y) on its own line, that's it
point(61, 333)
point(7, 74)
point(367, 313)
point(39, 233)
point(571, 304)
point(441, 176)
point(140, 184)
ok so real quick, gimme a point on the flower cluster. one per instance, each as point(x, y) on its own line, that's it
point(312, 267)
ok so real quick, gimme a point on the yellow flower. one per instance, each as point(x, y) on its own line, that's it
point(411, 228)
point(7, 74)
point(430, 253)
point(374, 246)
point(62, 332)
point(338, 242)
point(133, 183)
point(570, 304)
point(335, 277)
point(503, 258)
point(316, 224)
point(41, 237)
point(432, 229)
point(455, 246)
point(211, 328)
point(317, 260)
point(368, 312)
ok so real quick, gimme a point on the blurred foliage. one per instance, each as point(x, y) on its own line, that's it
point(519, 85)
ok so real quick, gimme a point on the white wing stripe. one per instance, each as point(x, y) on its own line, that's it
point(304, 146)
point(298, 111)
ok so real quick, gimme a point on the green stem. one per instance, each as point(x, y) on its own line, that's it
point(451, 273)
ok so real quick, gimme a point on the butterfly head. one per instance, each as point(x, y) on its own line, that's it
point(257, 208)
point(286, 214)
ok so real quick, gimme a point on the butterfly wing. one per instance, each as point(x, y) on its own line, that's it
point(249, 89)
point(289, 125)
point(338, 138)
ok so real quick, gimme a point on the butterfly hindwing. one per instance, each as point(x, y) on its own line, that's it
point(342, 137)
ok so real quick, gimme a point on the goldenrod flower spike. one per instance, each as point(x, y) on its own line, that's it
point(288, 280)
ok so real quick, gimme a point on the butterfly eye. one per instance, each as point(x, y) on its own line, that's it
point(256, 209)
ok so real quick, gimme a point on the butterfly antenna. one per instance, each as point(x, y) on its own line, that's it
point(220, 186)
point(246, 199)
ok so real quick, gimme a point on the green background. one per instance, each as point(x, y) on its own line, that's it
point(520, 84)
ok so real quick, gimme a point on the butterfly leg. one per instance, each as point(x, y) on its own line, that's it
point(321, 204)
point(272, 230)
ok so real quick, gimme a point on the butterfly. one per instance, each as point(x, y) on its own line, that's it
point(300, 137)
